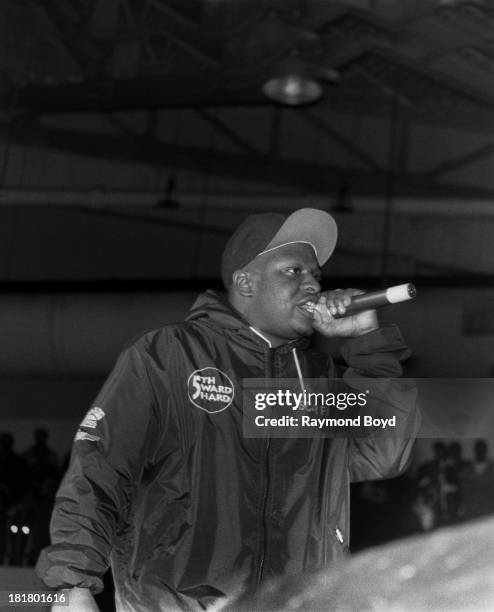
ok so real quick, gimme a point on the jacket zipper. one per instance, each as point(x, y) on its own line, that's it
point(339, 535)
point(262, 556)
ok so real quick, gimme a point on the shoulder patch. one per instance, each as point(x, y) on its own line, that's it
point(84, 435)
point(92, 417)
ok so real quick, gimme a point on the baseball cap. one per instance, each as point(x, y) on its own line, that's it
point(265, 232)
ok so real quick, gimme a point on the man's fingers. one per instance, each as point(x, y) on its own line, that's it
point(337, 301)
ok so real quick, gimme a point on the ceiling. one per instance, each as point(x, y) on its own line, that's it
point(126, 64)
point(435, 58)
point(104, 102)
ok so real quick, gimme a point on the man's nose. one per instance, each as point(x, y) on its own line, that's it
point(311, 284)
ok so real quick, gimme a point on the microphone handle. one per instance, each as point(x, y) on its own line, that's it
point(376, 299)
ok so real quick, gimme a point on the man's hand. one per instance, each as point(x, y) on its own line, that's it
point(79, 600)
point(336, 302)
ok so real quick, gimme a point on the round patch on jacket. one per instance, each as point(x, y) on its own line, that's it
point(210, 389)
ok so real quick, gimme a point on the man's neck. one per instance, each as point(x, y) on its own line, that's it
point(270, 339)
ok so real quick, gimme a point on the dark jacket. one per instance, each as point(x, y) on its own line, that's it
point(163, 482)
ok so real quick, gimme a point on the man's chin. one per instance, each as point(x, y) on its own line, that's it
point(304, 329)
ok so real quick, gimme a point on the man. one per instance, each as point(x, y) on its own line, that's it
point(162, 482)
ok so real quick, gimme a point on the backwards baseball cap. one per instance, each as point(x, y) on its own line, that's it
point(265, 232)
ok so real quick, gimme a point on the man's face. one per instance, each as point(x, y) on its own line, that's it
point(282, 282)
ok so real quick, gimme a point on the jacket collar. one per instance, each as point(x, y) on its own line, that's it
point(214, 310)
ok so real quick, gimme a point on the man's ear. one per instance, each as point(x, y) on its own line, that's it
point(242, 283)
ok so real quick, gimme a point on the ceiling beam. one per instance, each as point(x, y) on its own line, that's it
point(461, 161)
point(433, 281)
point(182, 32)
point(209, 90)
point(308, 177)
point(170, 12)
point(221, 127)
point(206, 88)
point(120, 125)
point(275, 132)
point(343, 141)
point(191, 49)
point(69, 28)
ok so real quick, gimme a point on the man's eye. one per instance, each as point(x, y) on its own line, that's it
point(293, 271)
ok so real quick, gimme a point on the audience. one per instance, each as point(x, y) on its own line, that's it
point(28, 484)
point(446, 489)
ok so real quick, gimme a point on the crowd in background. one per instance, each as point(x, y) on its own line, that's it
point(445, 490)
point(28, 483)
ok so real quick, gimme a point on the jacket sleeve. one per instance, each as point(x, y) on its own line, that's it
point(374, 365)
point(109, 453)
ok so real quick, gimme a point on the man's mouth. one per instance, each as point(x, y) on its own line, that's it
point(308, 307)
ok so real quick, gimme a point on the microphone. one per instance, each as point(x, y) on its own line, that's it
point(376, 299)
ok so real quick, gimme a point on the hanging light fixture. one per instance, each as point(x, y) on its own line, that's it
point(296, 82)
point(292, 89)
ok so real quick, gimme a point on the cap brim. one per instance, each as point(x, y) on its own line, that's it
point(309, 225)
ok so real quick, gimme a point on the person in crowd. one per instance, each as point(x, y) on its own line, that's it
point(454, 469)
point(32, 480)
point(456, 457)
point(428, 505)
point(13, 470)
point(477, 483)
point(14, 486)
point(40, 460)
point(164, 486)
